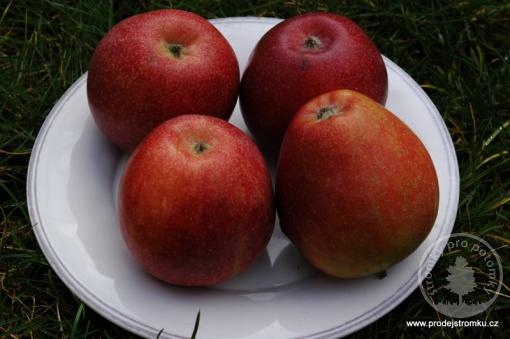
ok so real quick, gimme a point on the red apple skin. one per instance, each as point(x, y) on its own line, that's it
point(355, 192)
point(283, 74)
point(192, 218)
point(135, 83)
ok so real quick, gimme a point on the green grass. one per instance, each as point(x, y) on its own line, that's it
point(459, 52)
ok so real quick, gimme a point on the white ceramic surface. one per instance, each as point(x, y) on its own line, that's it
point(72, 182)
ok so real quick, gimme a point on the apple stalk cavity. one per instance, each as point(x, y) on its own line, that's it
point(327, 112)
point(313, 42)
point(176, 50)
point(200, 147)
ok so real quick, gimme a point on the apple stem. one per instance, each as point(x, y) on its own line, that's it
point(200, 147)
point(381, 275)
point(326, 112)
point(176, 50)
point(313, 42)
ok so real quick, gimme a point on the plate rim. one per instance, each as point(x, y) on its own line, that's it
point(137, 327)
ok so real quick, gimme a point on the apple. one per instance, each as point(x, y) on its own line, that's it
point(158, 65)
point(299, 59)
point(196, 201)
point(356, 190)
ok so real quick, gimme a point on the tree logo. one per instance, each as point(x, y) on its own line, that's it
point(466, 278)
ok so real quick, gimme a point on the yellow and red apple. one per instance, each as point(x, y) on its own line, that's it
point(158, 65)
point(196, 201)
point(356, 190)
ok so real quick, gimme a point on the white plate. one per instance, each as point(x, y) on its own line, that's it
point(72, 180)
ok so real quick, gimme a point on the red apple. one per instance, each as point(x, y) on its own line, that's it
point(301, 58)
point(196, 204)
point(158, 65)
point(356, 190)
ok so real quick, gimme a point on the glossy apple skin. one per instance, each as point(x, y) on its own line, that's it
point(283, 74)
point(356, 192)
point(193, 218)
point(135, 83)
